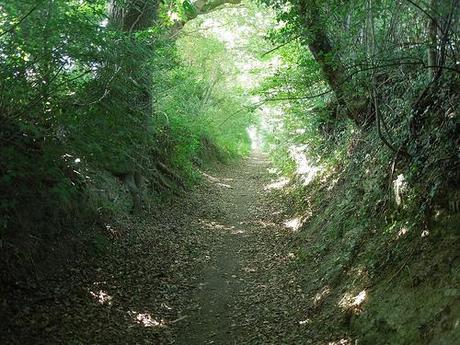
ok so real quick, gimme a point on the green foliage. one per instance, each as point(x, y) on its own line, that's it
point(188, 10)
point(384, 75)
point(381, 185)
point(80, 98)
point(41, 69)
point(84, 104)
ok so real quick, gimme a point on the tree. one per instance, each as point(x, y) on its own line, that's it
point(315, 35)
point(130, 17)
point(133, 15)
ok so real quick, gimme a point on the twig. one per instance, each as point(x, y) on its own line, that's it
point(374, 67)
point(379, 129)
point(425, 12)
point(297, 98)
point(280, 46)
point(106, 89)
point(179, 319)
point(374, 83)
point(141, 13)
point(40, 97)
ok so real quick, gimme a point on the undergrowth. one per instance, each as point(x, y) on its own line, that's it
point(87, 111)
point(377, 244)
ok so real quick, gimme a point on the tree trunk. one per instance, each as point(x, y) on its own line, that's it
point(327, 57)
point(432, 31)
point(131, 16)
point(321, 47)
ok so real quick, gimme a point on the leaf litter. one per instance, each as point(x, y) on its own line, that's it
point(211, 267)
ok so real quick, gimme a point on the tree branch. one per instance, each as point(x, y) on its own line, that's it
point(425, 12)
point(280, 46)
point(21, 20)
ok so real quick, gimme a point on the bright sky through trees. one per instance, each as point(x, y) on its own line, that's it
point(229, 172)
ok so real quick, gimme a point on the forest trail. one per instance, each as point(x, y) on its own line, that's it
point(211, 267)
point(240, 299)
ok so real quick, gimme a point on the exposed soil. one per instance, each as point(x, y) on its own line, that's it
point(224, 264)
point(243, 296)
point(210, 268)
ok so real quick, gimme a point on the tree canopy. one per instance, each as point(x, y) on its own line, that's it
point(110, 108)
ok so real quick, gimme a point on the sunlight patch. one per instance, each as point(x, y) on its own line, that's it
point(212, 225)
point(265, 224)
point(101, 297)
point(173, 16)
point(353, 303)
point(294, 224)
point(278, 184)
point(146, 320)
point(399, 188)
point(215, 179)
point(402, 232)
point(291, 256)
point(340, 342)
point(331, 183)
point(305, 169)
point(321, 295)
point(305, 322)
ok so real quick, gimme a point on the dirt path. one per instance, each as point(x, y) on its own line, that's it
point(242, 296)
point(212, 267)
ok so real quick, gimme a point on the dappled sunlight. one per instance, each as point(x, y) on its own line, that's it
point(399, 188)
point(321, 295)
point(359, 298)
point(294, 224)
point(305, 168)
point(249, 269)
point(224, 185)
point(237, 232)
point(261, 159)
point(173, 16)
point(278, 184)
point(402, 232)
point(265, 224)
point(101, 297)
point(353, 302)
point(359, 273)
point(291, 256)
point(217, 181)
point(332, 182)
point(304, 322)
point(342, 341)
point(267, 170)
point(146, 320)
point(212, 225)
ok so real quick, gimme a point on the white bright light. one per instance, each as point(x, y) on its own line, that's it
point(254, 137)
point(305, 169)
